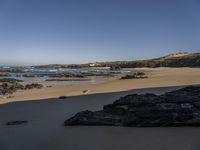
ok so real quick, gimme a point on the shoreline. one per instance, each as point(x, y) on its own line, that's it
point(158, 77)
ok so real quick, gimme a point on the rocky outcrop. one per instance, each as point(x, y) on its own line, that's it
point(33, 86)
point(17, 70)
point(5, 75)
point(66, 75)
point(137, 75)
point(29, 75)
point(10, 88)
point(177, 108)
point(9, 80)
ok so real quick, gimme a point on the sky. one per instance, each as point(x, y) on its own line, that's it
point(36, 32)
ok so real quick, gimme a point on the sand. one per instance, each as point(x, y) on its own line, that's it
point(158, 77)
point(45, 130)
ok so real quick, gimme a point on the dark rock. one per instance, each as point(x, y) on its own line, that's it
point(176, 108)
point(140, 73)
point(33, 86)
point(67, 79)
point(5, 75)
point(63, 97)
point(91, 118)
point(16, 122)
point(137, 75)
point(10, 80)
point(29, 75)
point(10, 88)
point(115, 68)
point(17, 70)
point(67, 75)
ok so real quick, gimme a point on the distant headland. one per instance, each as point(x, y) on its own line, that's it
point(182, 59)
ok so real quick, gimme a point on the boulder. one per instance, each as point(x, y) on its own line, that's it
point(176, 108)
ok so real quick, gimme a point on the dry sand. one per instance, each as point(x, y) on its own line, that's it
point(45, 130)
point(158, 77)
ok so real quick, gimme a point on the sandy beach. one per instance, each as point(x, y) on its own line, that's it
point(45, 128)
point(158, 77)
point(46, 114)
point(99, 75)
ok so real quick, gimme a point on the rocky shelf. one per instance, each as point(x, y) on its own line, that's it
point(10, 88)
point(9, 80)
point(176, 108)
point(137, 75)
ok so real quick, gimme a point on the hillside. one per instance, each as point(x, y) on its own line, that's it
point(172, 60)
point(182, 59)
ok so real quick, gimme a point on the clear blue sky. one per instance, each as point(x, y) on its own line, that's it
point(79, 31)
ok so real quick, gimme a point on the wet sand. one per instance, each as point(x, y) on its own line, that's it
point(45, 130)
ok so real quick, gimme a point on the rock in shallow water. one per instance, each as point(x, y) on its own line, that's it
point(176, 108)
point(16, 122)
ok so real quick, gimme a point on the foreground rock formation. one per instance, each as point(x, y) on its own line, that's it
point(177, 108)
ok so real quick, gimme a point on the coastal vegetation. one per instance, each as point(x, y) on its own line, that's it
point(172, 60)
point(182, 59)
